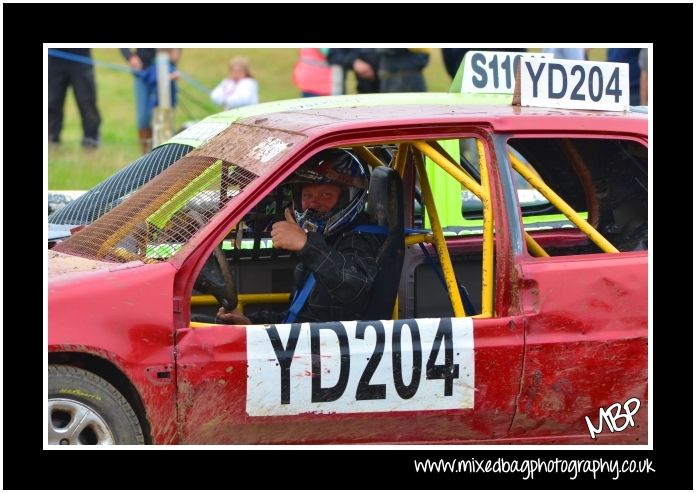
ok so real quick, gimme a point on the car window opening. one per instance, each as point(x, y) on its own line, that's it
point(264, 274)
point(603, 183)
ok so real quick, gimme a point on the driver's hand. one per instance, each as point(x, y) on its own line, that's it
point(287, 234)
point(233, 317)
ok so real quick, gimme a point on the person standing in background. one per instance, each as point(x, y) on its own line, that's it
point(313, 74)
point(630, 56)
point(140, 60)
point(452, 58)
point(401, 69)
point(239, 88)
point(63, 73)
point(363, 61)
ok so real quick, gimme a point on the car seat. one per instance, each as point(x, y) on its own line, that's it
point(385, 207)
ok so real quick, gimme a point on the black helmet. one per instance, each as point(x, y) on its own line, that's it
point(338, 167)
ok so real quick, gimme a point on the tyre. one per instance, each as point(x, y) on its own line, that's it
point(85, 409)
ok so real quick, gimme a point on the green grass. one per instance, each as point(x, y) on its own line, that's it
point(71, 167)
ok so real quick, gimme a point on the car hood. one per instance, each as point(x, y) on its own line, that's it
point(62, 266)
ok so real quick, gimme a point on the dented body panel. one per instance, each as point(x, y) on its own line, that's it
point(585, 317)
point(218, 406)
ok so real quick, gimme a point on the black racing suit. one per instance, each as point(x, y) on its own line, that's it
point(344, 267)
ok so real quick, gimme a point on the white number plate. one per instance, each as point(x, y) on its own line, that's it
point(352, 367)
point(493, 71)
point(574, 84)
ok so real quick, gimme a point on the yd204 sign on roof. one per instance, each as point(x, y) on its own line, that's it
point(573, 84)
point(512, 337)
point(546, 81)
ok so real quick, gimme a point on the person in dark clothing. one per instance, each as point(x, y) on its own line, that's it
point(363, 61)
point(452, 58)
point(63, 73)
point(331, 192)
point(401, 69)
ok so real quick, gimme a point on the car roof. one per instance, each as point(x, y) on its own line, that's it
point(350, 111)
point(499, 117)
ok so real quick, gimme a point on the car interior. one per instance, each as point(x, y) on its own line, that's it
point(588, 174)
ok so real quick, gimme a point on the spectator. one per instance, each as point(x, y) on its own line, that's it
point(149, 76)
point(363, 61)
point(239, 88)
point(401, 69)
point(141, 61)
point(73, 67)
point(312, 73)
point(630, 56)
point(452, 57)
point(643, 64)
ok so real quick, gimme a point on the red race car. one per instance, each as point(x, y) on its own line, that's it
point(511, 322)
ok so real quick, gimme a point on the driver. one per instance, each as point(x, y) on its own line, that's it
point(337, 261)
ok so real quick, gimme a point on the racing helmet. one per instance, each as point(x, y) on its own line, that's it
point(338, 167)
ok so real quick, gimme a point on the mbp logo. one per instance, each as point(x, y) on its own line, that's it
point(612, 414)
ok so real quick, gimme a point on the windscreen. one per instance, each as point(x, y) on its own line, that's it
point(154, 222)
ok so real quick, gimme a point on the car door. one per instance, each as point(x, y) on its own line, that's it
point(443, 377)
point(586, 304)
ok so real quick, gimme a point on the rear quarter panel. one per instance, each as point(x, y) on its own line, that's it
point(586, 345)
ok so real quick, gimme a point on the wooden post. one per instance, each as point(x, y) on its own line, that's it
point(163, 114)
point(516, 94)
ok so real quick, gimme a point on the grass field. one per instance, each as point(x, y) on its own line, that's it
point(71, 167)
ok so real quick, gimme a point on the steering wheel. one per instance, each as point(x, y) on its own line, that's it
point(215, 276)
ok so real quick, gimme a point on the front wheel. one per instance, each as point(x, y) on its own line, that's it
point(85, 409)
